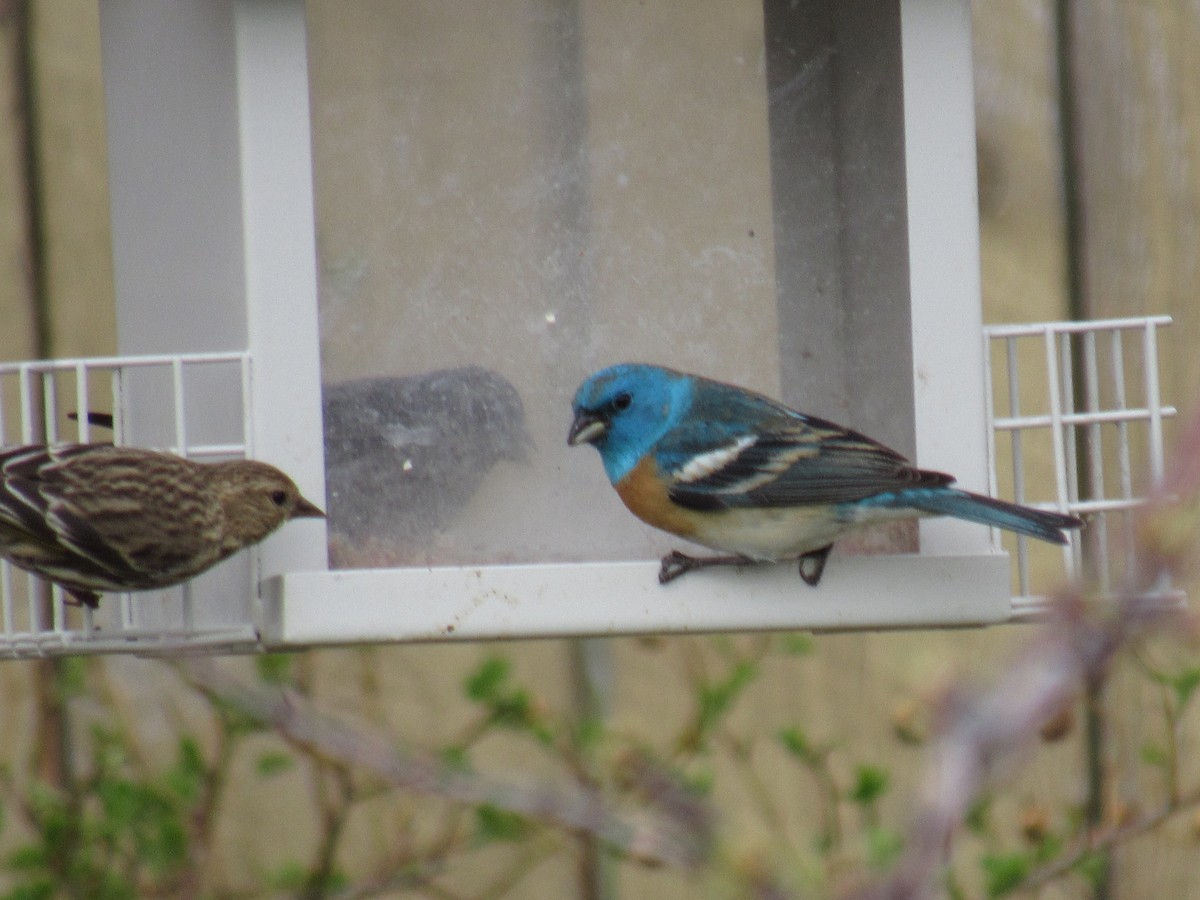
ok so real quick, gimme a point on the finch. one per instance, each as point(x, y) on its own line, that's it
point(94, 517)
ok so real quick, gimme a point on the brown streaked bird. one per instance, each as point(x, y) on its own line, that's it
point(94, 517)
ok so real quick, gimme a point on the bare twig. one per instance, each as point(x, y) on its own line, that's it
point(983, 731)
point(674, 830)
point(1106, 838)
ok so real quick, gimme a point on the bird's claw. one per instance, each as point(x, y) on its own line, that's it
point(812, 565)
point(675, 564)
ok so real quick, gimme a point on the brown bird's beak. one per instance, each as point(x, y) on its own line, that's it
point(306, 510)
point(586, 428)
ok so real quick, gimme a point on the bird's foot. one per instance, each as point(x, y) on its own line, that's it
point(675, 564)
point(812, 565)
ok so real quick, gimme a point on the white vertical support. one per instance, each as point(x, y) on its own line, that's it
point(6, 594)
point(1125, 462)
point(213, 248)
point(48, 386)
point(83, 427)
point(280, 259)
point(180, 430)
point(1153, 399)
point(989, 398)
point(169, 85)
point(117, 399)
point(1018, 456)
point(943, 235)
point(27, 435)
point(1072, 553)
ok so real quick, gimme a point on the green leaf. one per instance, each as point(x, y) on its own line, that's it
point(274, 668)
point(1003, 872)
point(291, 876)
point(1185, 684)
point(717, 699)
point(514, 710)
point(954, 890)
point(1154, 755)
point(30, 858)
point(700, 782)
point(484, 683)
point(120, 801)
point(1047, 849)
point(335, 881)
point(977, 815)
point(41, 889)
point(164, 845)
point(795, 742)
point(70, 676)
point(723, 644)
point(456, 757)
point(797, 643)
point(883, 847)
point(273, 763)
point(495, 824)
point(1091, 866)
point(108, 750)
point(870, 783)
point(186, 777)
point(588, 732)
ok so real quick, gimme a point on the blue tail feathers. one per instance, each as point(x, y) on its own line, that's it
point(1047, 526)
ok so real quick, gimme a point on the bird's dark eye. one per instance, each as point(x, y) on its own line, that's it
point(279, 498)
point(622, 401)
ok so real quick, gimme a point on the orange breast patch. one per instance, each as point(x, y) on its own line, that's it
point(645, 494)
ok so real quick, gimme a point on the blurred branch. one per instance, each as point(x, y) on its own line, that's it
point(984, 731)
point(674, 830)
point(1106, 838)
point(335, 798)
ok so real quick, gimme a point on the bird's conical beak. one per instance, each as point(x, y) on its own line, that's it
point(306, 510)
point(586, 428)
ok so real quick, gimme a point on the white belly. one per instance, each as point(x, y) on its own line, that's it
point(785, 533)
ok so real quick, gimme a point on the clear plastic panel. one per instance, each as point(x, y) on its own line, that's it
point(511, 195)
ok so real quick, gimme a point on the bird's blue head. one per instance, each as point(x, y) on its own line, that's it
point(624, 410)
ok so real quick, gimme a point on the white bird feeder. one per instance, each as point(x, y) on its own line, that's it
point(778, 194)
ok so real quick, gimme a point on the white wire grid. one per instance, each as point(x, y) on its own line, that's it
point(154, 398)
point(1090, 442)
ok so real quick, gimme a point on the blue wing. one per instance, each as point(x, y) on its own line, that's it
point(738, 449)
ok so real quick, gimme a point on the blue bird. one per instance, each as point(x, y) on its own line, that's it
point(745, 475)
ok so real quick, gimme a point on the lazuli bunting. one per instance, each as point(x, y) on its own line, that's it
point(741, 473)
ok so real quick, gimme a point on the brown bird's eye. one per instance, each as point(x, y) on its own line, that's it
point(622, 401)
point(279, 498)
